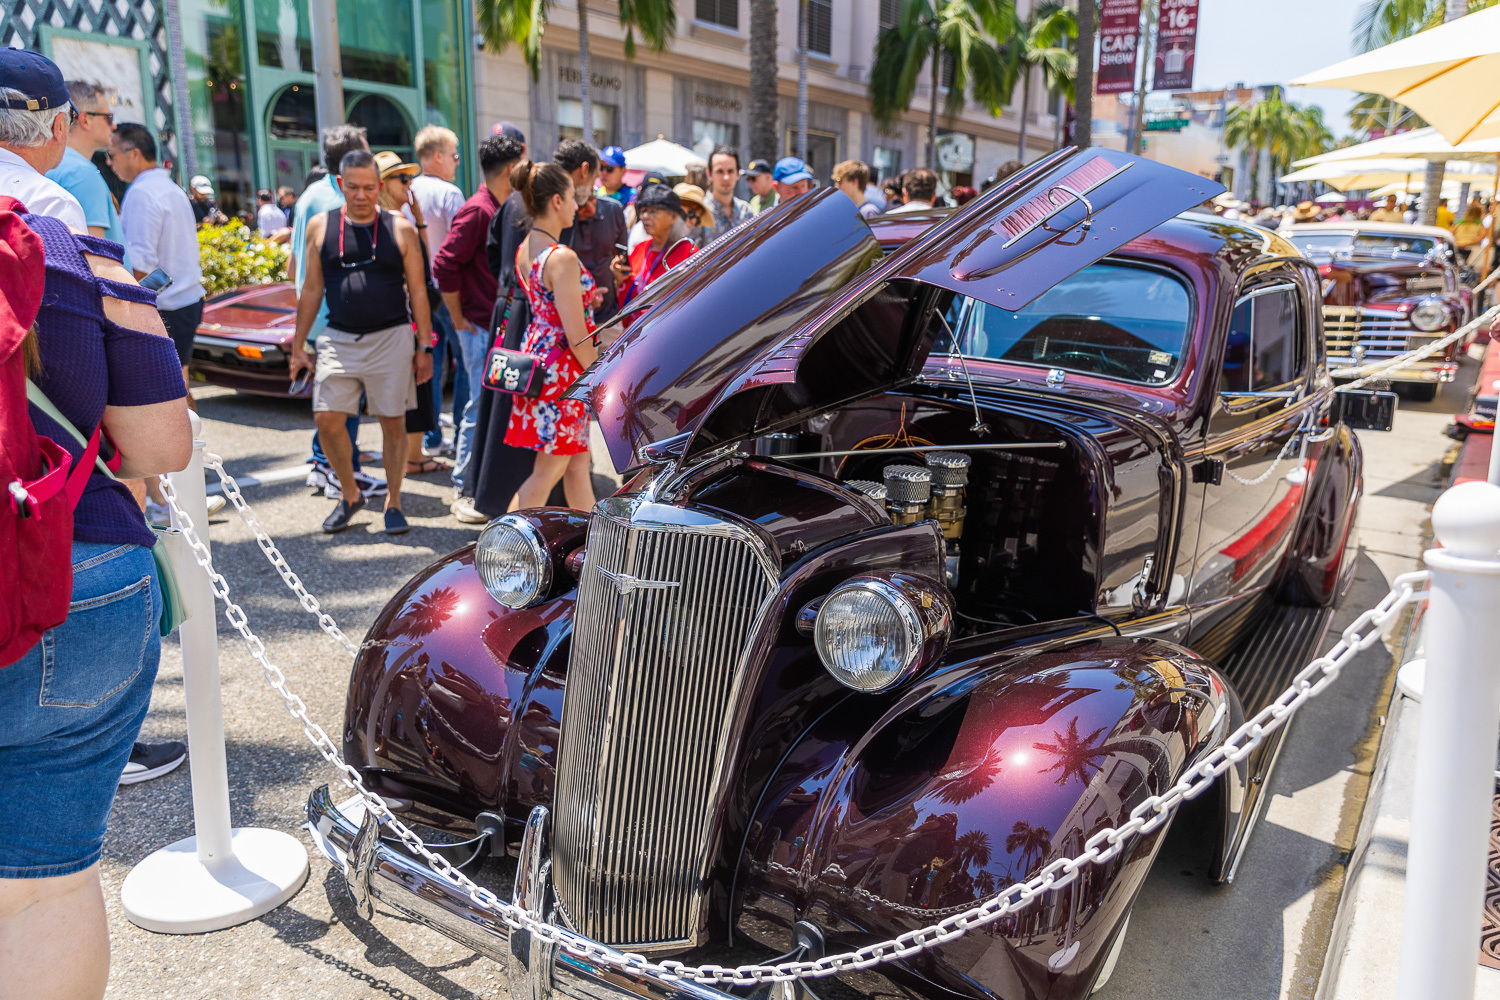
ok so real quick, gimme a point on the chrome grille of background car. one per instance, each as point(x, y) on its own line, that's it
point(1380, 334)
point(664, 615)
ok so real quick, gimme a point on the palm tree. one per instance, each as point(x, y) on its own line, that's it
point(1376, 111)
point(965, 35)
point(1271, 125)
point(1075, 755)
point(1083, 87)
point(1042, 42)
point(802, 80)
point(523, 22)
point(763, 101)
point(1028, 840)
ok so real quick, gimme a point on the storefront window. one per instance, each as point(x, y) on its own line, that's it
point(570, 121)
point(442, 64)
point(707, 135)
point(887, 162)
point(282, 36)
point(375, 41)
point(822, 151)
point(386, 126)
point(212, 39)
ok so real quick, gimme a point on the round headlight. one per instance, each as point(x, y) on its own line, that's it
point(512, 561)
point(1429, 314)
point(870, 633)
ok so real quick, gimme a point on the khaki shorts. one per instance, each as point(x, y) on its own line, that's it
point(377, 364)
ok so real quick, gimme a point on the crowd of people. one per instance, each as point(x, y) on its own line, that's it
point(1470, 229)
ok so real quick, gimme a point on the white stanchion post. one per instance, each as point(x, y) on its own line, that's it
point(221, 876)
point(1455, 769)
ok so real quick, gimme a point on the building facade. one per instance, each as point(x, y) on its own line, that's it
point(228, 87)
point(697, 92)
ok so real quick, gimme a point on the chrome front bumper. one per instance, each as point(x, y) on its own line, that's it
point(1427, 370)
point(376, 871)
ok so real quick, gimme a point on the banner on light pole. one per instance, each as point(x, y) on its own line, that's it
point(1176, 40)
point(1119, 29)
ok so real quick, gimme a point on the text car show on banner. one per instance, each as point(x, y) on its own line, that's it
point(1119, 25)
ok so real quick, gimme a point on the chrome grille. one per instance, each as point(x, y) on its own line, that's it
point(667, 604)
point(1379, 334)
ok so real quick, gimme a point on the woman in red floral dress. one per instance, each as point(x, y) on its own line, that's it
point(562, 295)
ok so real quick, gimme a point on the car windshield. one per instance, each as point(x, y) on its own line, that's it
point(1367, 244)
point(1109, 319)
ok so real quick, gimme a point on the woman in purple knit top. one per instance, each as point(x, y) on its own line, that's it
point(71, 708)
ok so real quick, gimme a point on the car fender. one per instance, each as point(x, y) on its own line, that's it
point(1318, 565)
point(455, 701)
point(972, 782)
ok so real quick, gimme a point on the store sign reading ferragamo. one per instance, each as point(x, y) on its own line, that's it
point(1119, 25)
point(569, 74)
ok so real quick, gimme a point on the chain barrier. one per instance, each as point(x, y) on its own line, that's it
point(1375, 370)
point(1103, 846)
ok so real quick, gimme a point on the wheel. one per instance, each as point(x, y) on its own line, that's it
point(1420, 392)
point(1108, 969)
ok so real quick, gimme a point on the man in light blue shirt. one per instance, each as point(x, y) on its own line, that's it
point(324, 196)
point(77, 173)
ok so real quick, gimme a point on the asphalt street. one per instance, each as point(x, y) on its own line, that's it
point(1187, 940)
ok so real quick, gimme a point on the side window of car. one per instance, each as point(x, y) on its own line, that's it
point(1267, 346)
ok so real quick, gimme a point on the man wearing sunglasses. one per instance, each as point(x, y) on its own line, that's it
point(35, 113)
point(90, 134)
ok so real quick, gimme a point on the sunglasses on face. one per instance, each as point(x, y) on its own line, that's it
point(106, 115)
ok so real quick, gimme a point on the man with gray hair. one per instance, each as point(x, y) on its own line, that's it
point(92, 127)
point(35, 112)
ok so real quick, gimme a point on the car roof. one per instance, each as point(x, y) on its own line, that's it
point(1365, 226)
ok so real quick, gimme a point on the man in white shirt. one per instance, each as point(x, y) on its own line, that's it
point(35, 113)
point(918, 187)
point(160, 232)
point(440, 199)
point(269, 218)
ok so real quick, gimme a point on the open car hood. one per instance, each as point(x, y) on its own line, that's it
point(795, 313)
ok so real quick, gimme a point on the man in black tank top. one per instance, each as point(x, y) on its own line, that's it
point(368, 264)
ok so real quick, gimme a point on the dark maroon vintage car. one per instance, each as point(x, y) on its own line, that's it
point(244, 341)
point(1388, 289)
point(928, 566)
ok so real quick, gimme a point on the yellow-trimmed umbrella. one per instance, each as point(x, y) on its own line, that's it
point(1447, 74)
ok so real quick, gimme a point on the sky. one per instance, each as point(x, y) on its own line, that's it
point(1272, 41)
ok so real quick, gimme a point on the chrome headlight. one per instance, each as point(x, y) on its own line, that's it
point(1429, 314)
point(513, 562)
point(874, 631)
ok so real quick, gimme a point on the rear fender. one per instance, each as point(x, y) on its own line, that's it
point(971, 782)
point(1318, 565)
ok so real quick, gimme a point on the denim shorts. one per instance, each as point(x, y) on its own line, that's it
point(70, 711)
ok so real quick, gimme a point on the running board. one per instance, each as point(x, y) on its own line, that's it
point(1260, 668)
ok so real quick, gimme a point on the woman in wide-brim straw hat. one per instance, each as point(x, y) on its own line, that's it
point(665, 220)
point(695, 207)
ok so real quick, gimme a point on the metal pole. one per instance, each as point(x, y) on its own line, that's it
point(221, 876)
point(1454, 781)
point(328, 63)
point(200, 674)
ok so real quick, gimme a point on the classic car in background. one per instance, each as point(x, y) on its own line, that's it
point(1387, 289)
point(244, 341)
point(928, 566)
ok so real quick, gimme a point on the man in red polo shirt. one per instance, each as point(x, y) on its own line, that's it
point(469, 288)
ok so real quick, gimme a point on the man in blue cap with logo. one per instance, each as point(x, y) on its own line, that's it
point(612, 175)
point(35, 115)
point(792, 178)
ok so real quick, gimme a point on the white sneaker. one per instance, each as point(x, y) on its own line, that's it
point(369, 486)
point(216, 503)
point(463, 509)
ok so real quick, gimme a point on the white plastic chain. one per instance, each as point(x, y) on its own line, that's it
point(1377, 369)
point(1104, 845)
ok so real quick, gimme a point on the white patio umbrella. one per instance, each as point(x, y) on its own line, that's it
point(1446, 74)
point(1357, 175)
point(1449, 191)
point(662, 156)
point(1418, 144)
point(1331, 198)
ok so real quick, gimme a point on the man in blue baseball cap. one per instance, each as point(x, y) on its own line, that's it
point(792, 178)
point(35, 114)
point(612, 175)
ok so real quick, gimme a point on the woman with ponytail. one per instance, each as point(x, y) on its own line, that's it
point(561, 295)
